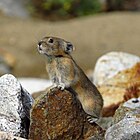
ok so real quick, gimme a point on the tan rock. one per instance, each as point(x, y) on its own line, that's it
point(59, 115)
point(112, 63)
point(122, 87)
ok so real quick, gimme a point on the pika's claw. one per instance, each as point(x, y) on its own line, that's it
point(92, 119)
point(61, 86)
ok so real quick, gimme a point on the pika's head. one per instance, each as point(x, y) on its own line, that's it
point(53, 46)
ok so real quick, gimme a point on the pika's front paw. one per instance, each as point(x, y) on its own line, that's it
point(92, 119)
point(61, 86)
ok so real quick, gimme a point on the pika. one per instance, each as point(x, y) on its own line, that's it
point(65, 73)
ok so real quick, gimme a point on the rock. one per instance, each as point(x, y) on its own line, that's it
point(59, 115)
point(120, 88)
point(8, 136)
point(15, 104)
point(33, 85)
point(111, 63)
point(126, 123)
point(132, 105)
point(127, 129)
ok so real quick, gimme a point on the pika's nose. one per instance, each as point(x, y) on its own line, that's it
point(39, 43)
point(69, 44)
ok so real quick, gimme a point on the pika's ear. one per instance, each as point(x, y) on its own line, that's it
point(69, 48)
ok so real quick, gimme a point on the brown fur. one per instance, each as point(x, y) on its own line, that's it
point(65, 73)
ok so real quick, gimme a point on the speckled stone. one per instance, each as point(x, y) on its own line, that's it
point(58, 115)
point(120, 88)
point(126, 122)
point(15, 104)
point(111, 63)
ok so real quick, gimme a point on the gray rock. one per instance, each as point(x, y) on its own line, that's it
point(126, 129)
point(133, 103)
point(15, 104)
point(126, 122)
point(9, 136)
point(111, 63)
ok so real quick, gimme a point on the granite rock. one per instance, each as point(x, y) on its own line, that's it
point(111, 63)
point(15, 104)
point(120, 88)
point(126, 122)
point(9, 136)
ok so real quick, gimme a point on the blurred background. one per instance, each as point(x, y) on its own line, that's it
point(95, 27)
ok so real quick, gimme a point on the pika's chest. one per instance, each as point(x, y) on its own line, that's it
point(56, 68)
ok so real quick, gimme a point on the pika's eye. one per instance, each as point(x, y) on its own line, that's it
point(50, 40)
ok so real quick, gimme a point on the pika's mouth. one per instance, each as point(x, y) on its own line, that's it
point(41, 51)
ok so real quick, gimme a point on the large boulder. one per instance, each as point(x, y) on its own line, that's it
point(58, 115)
point(112, 63)
point(120, 88)
point(117, 76)
point(15, 105)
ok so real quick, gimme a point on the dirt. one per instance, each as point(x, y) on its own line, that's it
point(92, 36)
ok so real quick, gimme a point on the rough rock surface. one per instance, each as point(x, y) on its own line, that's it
point(9, 136)
point(111, 63)
point(126, 123)
point(132, 105)
point(120, 88)
point(58, 115)
point(15, 104)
